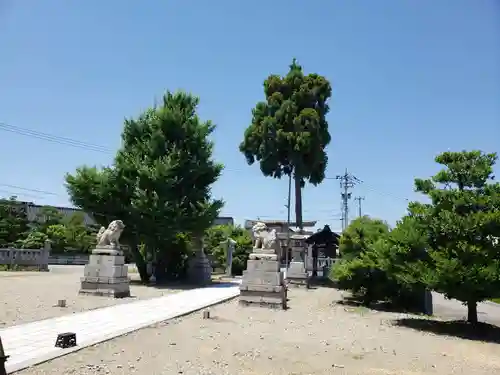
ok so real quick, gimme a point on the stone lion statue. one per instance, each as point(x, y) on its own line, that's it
point(109, 236)
point(265, 238)
point(257, 230)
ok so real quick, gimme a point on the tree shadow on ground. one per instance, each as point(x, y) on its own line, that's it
point(183, 285)
point(458, 328)
point(315, 283)
point(383, 306)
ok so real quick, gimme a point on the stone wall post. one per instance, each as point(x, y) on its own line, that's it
point(45, 254)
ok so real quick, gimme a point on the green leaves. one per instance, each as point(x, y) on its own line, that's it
point(446, 245)
point(289, 131)
point(14, 223)
point(215, 245)
point(382, 265)
point(460, 223)
point(160, 183)
point(360, 234)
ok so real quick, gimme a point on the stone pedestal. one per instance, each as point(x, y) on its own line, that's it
point(297, 275)
point(263, 282)
point(106, 274)
point(297, 254)
point(200, 269)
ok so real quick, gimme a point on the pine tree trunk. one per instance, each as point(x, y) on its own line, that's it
point(298, 202)
point(472, 312)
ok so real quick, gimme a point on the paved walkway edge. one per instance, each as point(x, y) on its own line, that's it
point(45, 358)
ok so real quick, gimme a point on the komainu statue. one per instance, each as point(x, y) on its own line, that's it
point(264, 238)
point(109, 237)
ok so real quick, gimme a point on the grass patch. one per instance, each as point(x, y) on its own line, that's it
point(496, 300)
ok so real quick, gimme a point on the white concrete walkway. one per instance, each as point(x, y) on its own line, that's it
point(33, 343)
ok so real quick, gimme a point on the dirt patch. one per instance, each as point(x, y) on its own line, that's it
point(30, 296)
point(316, 336)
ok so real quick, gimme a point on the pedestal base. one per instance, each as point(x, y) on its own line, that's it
point(273, 300)
point(120, 289)
point(263, 283)
point(106, 275)
point(200, 270)
point(297, 275)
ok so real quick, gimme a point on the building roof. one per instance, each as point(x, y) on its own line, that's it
point(250, 223)
point(323, 236)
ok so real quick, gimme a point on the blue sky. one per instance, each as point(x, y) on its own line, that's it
point(410, 79)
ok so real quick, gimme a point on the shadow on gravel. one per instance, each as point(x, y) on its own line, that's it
point(457, 328)
point(321, 283)
point(170, 285)
point(177, 285)
point(378, 306)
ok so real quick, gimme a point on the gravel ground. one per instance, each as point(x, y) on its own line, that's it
point(315, 336)
point(30, 296)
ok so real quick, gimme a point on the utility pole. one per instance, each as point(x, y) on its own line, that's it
point(359, 199)
point(347, 181)
point(288, 219)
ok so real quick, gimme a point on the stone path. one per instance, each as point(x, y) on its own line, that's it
point(33, 343)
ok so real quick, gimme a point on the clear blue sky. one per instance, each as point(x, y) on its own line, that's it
point(410, 79)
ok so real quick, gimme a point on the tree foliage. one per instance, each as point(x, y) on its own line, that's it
point(66, 233)
point(215, 238)
point(159, 185)
point(403, 254)
point(289, 131)
point(381, 265)
point(358, 269)
point(461, 222)
point(361, 233)
point(449, 245)
point(14, 223)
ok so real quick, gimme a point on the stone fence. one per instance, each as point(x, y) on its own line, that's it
point(35, 258)
point(75, 260)
point(322, 262)
point(324, 265)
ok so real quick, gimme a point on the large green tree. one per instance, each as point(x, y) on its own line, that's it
point(159, 185)
point(461, 223)
point(289, 132)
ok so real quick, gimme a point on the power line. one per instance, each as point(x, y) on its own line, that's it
point(385, 194)
point(53, 138)
point(345, 183)
point(13, 194)
point(27, 189)
point(322, 211)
